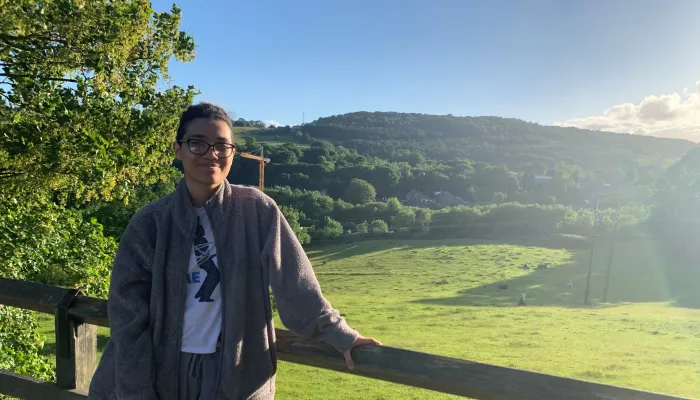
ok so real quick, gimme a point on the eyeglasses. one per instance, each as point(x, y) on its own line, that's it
point(200, 148)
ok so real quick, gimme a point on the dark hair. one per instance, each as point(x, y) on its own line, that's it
point(202, 110)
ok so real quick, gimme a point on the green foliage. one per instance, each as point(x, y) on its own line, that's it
point(331, 229)
point(489, 221)
point(293, 216)
point(114, 215)
point(495, 140)
point(82, 121)
point(405, 218)
point(423, 219)
point(81, 113)
point(46, 243)
point(676, 217)
point(362, 227)
point(378, 227)
point(285, 157)
point(20, 345)
point(473, 158)
point(241, 122)
point(393, 205)
point(359, 192)
point(251, 144)
point(313, 205)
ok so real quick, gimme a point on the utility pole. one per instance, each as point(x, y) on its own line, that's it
point(612, 254)
point(590, 257)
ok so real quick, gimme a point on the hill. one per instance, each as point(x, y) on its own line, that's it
point(479, 159)
point(521, 145)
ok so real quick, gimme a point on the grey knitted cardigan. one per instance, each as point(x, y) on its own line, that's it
point(255, 248)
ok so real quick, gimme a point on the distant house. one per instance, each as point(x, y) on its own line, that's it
point(448, 199)
point(418, 199)
point(541, 178)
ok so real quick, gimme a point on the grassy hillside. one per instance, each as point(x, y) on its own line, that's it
point(242, 129)
point(273, 138)
point(446, 298)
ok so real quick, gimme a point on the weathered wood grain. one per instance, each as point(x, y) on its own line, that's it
point(30, 295)
point(24, 387)
point(451, 375)
point(75, 369)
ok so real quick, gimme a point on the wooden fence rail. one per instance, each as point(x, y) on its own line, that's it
point(76, 316)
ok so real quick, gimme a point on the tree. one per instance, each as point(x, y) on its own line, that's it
point(284, 157)
point(82, 120)
point(315, 205)
point(378, 227)
point(359, 192)
point(331, 229)
point(393, 205)
point(404, 219)
point(362, 227)
point(293, 216)
point(21, 344)
point(81, 112)
point(251, 143)
point(423, 218)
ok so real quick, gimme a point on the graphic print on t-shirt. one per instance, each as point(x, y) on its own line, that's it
point(203, 309)
point(203, 253)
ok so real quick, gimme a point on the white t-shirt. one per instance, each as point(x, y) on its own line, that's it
point(202, 320)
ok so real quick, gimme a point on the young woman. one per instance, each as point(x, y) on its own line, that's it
point(188, 303)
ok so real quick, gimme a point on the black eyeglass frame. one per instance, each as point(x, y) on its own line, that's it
point(230, 147)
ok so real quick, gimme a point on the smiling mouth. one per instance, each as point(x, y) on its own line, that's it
point(209, 166)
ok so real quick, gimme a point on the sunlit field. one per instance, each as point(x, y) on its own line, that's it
point(459, 298)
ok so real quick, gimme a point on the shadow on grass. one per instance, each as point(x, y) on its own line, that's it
point(335, 251)
point(639, 274)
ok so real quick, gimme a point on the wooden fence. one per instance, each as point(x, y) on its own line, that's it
point(77, 315)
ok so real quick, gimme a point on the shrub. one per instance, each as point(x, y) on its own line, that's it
point(331, 229)
point(21, 344)
point(360, 192)
point(362, 227)
point(293, 216)
point(378, 227)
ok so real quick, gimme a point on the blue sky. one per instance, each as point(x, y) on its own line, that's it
point(546, 61)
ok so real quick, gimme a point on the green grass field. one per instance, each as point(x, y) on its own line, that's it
point(242, 129)
point(265, 138)
point(447, 297)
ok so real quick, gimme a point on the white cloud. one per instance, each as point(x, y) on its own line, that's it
point(669, 115)
point(272, 122)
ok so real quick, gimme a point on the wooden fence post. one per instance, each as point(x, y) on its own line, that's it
point(76, 348)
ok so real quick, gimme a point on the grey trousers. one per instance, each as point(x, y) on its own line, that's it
point(198, 373)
